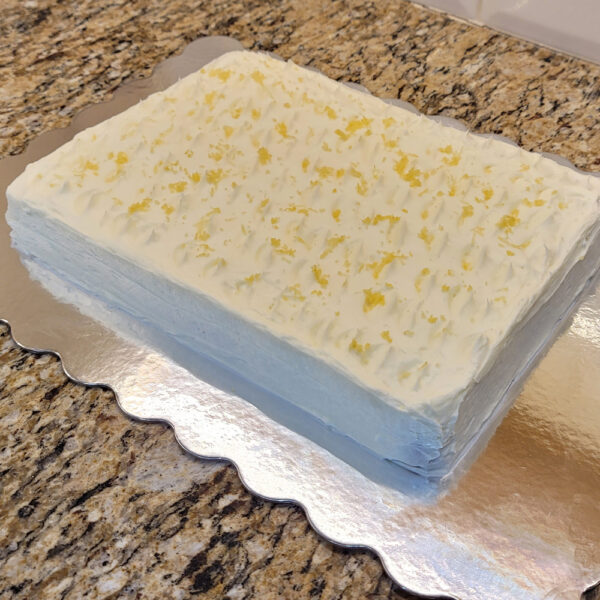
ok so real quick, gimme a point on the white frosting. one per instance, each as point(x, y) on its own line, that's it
point(395, 249)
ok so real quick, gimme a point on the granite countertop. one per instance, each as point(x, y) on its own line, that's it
point(94, 505)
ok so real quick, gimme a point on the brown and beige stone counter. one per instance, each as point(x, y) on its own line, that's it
point(93, 505)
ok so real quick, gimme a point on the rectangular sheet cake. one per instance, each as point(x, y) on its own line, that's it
point(371, 266)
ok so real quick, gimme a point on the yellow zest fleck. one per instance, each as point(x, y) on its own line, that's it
point(508, 222)
point(562, 205)
point(340, 173)
point(263, 203)
point(356, 124)
point(386, 336)
point(336, 214)
point(189, 153)
point(451, 161)
point(214, 176)
point(222, 74)
point(411, 176)
point(358, 348)
point(388, 122)
point(467, 212)
point(539, 202)
point(299, 209)
point(331, 244)
point(400, 165)
point(90, 166)
point(274, 220)
point(195, 176)
point(525, 168)
point(344, 136)
point(408, 333)
point(171, 167)
point(330, 112)
point(264, 156)
point(510, 253)
point(255, 113)
point(167, 209)
point(426, 236)
point(236, 112)
point(142, 206)
point(204, 250)
point(326, 147)
point(276, 243)
point(389, 143)
point(292, 292)
point(209, 99)
point(466, 265)
point(445, 288)
point(178, 186)
point(388, 258)
point(420, 278)
point(281, 129)
point(252, 278)
point(391, 219)
point(324, 172)
point(372, 300)
point(258, 77)
point(320, 278)
point(432, 319)
point(228, 131)
point(362, 187)
point(305, 164)
point(454, 157)
point(122, 158)
point(452, 188)
point(488, 193)
point(302, 241)
point(424, 214)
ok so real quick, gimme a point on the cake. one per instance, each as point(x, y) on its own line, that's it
point(390, 276)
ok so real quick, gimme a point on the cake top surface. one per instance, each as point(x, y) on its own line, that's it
point(397, 249)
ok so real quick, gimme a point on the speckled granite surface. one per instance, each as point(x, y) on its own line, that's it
point(93, 505)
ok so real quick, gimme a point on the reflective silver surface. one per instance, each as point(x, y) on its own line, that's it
point(522, 523)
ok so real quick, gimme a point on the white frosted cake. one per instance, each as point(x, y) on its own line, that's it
point(369, 265)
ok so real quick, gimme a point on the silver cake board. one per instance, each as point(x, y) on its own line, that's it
point(522, 523)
